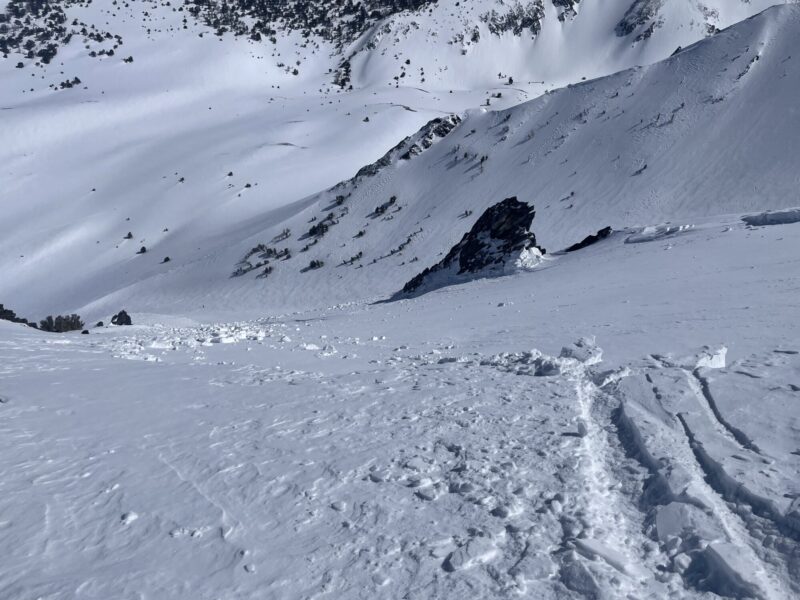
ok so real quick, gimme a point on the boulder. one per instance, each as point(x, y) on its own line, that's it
point(121, 318)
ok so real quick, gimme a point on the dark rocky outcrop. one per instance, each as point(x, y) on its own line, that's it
point(516, 18)
point(411, 146)
point(498, 238)
point(121, 318)
point(590, 239)
point(641, 14)
point(336, 22)
point(6, 314)
point(37, 29)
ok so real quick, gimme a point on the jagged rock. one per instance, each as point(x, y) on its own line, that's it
point(567, 8)
point(121, 318)
point(590, 239)
point(500, 238)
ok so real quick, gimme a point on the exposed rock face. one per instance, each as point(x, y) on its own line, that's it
point(590, 239)
point(500, 238)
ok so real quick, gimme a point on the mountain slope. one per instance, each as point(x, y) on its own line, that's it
point(146, 147)
point(667, 143)
point(447, 43)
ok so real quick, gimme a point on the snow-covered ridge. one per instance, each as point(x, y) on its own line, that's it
point(238, 413)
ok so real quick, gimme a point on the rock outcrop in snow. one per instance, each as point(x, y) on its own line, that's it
point(6, 314)
point(501, 238)
point(590, 239)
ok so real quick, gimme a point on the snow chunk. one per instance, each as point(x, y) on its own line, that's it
point(475, 552)
point(773, 217)
point(653, 233)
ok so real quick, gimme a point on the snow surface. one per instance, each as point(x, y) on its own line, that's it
point(424, 448)
point(617, 422)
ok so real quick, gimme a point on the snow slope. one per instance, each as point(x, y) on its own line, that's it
point(620, 421)
point(670, 143)
point(154, 140)
point(472, 43)
point(426, 448)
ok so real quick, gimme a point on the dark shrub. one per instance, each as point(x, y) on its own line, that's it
point(61, 323)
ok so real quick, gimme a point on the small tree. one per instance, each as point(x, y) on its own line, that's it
point(61, 323)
